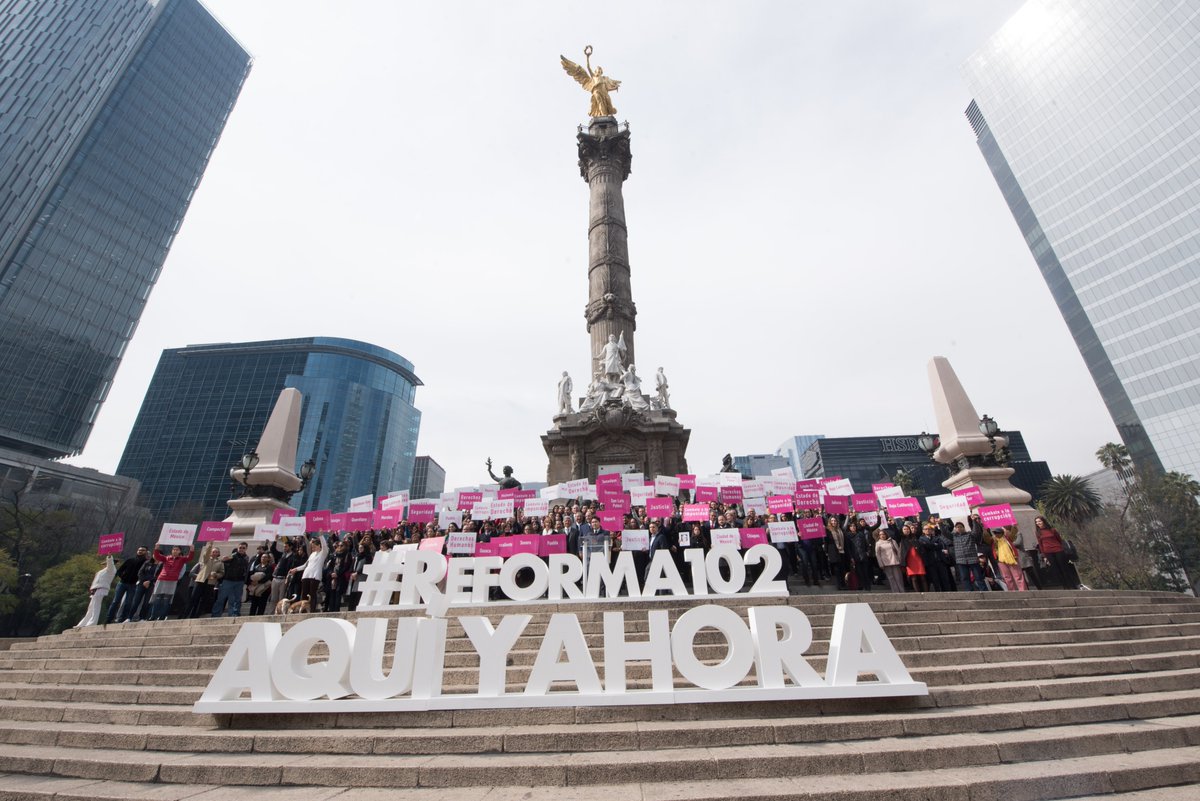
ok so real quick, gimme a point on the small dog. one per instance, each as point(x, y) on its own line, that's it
point(291, 606)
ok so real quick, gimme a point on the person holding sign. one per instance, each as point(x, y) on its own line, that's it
point(888, 556)
point(1006, 556)
point(168, 579)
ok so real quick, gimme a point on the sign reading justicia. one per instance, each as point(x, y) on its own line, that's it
point(268, 670)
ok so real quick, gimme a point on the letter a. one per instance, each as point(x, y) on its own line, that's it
point(859, 645)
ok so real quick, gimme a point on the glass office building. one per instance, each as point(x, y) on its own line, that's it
point(207, 405)
point(429, 478)
point(109, 110)
point(1088, 114)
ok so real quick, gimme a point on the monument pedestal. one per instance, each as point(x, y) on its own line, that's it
point(271, 483)
point(652, 441)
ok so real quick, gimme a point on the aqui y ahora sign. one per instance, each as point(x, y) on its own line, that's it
point(273, 667)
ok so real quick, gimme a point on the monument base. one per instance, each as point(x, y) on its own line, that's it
point(250, 512)
point(652, 441)
point(994, 483)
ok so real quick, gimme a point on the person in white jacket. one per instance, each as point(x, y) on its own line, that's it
point(313, 570)
point(101, 583)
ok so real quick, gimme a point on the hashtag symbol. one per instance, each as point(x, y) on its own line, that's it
point(381, 581)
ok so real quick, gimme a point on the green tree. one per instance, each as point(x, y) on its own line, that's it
point(1070, 499)
point(8, 584)
point(1115, 457)
point(1165, 504)
point(61, 592)
point(904, 480)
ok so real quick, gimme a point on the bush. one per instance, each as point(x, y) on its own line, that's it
point(61, 592)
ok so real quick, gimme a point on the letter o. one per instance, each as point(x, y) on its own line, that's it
point(736, 664)
point(508, 577)
point(737, 570)
point(298, 680)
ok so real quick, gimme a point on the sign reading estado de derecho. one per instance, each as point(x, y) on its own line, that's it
point(273, 668)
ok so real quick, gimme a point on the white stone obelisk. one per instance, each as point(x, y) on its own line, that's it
point(275, 468)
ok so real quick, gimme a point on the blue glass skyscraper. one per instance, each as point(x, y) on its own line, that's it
point(207, 405)
point(1088, 114)
point(109, 110)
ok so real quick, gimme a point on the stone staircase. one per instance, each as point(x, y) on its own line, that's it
point(1031, 696)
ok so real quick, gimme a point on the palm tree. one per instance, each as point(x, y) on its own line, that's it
point(1070, 498)
point(1115, 457)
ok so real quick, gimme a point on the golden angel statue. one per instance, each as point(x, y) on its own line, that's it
point(595, 81)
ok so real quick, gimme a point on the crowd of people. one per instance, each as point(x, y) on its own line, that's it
point(857, 553)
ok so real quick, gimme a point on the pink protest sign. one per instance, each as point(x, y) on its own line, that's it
point(422, 512)
point(808, 484)
point(731, 494)
point(863, 502)
point(686, 482)
point(552, 544)
point(386, 518)
point(279, 514)
point(752, 536)
point(781, 504)
point(974, 496)
point(504, 546)
point(618, 503)
point(467, 499)
point(525, 543)
point(337, 522)
point(808, 499)
point(837, 504)
point(359, 521)
point(431, 544)
point(212, 531)
point(695, 511)
point(487, 549)
point(878, 487)
point(611, 519)
point(996, 516)
point(113, 543)
point(609, 482)
point(706, 494)
point(316, 521)
point(659, 507)
point(811, 528)
point(903, 507)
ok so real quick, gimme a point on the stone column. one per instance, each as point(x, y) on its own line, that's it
point(604, 159)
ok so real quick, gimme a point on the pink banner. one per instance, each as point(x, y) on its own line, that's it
point(466, 499)
point(863, 502)
point(811, 528)
point(525, 543)
point(609, 482)
point(695, 511)
point(422, 512)
point(520, 496)
point(660, 507)
point(431, 544)
point(279, 514)
point(487, 549)
point(337, 522)
point(611, 519)
point(507, 493)
point(808, 499)
point(974, 496)
point(837, 504)
point(706, 494)
point(386, 518)
point(316, 521)
point(504, 546)
point(808, 484)
point(113, 543)
point(781, 504)
point(551, 544)
point(212, 531)
point(618, 503)
point(997, 516)
point(359, 521)
point(903, 507)
point(752, 536)
point(731, 495)
point(686, 482)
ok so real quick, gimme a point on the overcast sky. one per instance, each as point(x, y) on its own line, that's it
point(810, 220)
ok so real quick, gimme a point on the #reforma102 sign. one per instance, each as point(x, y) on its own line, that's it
point(267, 670)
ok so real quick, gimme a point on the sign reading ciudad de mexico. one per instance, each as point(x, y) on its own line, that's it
point(267, 670)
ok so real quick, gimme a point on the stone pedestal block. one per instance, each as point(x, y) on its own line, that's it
point(653, 441)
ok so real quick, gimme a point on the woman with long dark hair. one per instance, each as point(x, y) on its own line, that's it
point(1050, 546)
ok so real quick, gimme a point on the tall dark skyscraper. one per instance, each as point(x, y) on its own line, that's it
point(1087, 112)
point(109, 110)
point(207, 405)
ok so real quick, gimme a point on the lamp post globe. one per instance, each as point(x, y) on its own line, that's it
point(988, 427)
point(926, 442)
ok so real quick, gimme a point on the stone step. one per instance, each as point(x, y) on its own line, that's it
point(651, 765)
point(666, 735)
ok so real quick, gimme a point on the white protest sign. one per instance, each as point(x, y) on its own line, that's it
point(726, 536)
point(292, 527)
point(839, 487)
point(461, 542)
point(399, 494)
point(631, 480)
point(489, 493)
point(535, 507)
point(888, 492)
point(952, 506)
point(784, 531)
point(784, 472)
point(267, 531)
point(733, 479)
point(448, 500)
point(481, 510)
point(575, 488)
point(639, 495)
point(666, 485)
point(394, 502)
point(363, 503)
point(448, 516)
point(551, 493)
point(177, 534)
point(781, 485)
point(635, 539)
point(756, 505)
point(753, 489)
point(502, 509)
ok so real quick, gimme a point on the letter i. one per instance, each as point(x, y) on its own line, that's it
point(430, 657)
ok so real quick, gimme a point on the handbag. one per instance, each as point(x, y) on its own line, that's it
point(1070, 550)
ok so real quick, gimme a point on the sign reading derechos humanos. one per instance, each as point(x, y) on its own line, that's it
point(273, 667)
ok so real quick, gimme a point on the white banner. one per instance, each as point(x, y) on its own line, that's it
point(502, 509)
point(839, 487)
point(267, 531)
point(576, 488)
point(394, 502)
point(726, 536)
point(481, 510)
point(460, 542)
point(448, 516)
point(784, 531)
point(954, 507)
point(753, 488)
point(638, 495)
point(733, 479)
point(363, 503)
point(784, 472)
point(552, 493)
point(177, 534)
point(635, 539)
point(756, 505)
point(535, 507)
point(666, 485)
point(292, 527)
point(631, 480)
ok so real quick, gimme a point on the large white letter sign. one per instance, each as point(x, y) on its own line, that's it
point(267, 671)
point(859, 645)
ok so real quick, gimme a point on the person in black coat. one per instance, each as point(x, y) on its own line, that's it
point(127, 583)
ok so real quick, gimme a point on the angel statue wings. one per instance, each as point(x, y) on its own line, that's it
point(594, 81)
